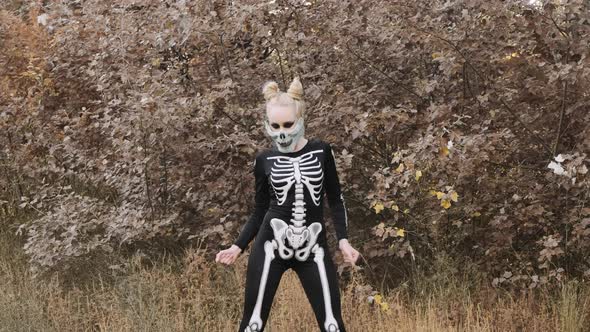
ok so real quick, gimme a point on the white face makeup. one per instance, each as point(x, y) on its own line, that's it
point(283, 127)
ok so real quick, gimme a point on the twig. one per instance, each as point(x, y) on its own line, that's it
point(563, 32)
point(372, 149)
point(146, 166)
point(225, 57)
point(281, 66)
point(563, 103)
point(539, 139)
point(233, 120)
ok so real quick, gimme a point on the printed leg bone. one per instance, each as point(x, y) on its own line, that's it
point(255, 324)
point(330, 323)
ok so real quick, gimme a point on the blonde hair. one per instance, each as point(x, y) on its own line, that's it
point(293, 96)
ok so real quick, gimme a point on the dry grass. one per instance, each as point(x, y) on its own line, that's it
point(193, 294)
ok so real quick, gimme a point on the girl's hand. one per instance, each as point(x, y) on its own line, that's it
point(228, 256)
point(350, 254)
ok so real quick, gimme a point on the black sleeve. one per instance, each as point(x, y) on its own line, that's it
point(262, 199)
point(335, 198)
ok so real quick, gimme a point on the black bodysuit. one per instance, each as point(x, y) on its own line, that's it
point(290, 232)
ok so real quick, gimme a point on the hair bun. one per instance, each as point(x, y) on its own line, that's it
point(270, 89)
point(296, 89)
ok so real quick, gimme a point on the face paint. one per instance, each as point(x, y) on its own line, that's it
point(286, 139)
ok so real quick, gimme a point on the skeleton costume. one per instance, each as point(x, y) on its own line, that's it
point(290, 231)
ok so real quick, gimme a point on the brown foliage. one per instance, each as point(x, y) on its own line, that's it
point(460, 127)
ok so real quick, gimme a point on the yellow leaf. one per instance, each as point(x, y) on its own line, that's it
point(444, 150)
point(377, 298)
point(454, 196)
point(439, 194)
point(378, 207)
point(400, 232)
point(476, 214)
point(511, 55)
point(406, 210)
point(445, 203)
point(394, 207)
point(432, 192)
point(418, 175)
point(400, 168)
point(435, 55)
point(384, 306)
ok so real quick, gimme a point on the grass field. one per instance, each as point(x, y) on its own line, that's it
point(193, 294)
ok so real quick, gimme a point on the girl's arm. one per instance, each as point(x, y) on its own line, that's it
point(335, 198)
point(262, 198)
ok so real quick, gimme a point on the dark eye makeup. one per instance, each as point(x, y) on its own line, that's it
point(286, 125)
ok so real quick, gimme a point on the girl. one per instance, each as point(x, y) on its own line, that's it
point(291, 179)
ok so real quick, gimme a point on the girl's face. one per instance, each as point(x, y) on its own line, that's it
point(281, 117)
point(283, 126)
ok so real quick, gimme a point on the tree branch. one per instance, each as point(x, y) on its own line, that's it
point(485, 81)
point(403, 86)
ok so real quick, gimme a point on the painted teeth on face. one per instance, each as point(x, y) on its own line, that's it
point(286, 143)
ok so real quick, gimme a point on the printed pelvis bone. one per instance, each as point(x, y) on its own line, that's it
point(296, 236)
point(305, 170)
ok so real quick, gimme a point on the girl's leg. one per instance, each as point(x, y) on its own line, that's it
point(263, 275)
point(319, 280)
